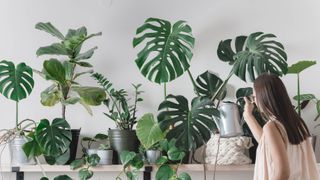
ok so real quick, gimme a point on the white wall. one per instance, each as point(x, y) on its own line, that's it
point(296, 23)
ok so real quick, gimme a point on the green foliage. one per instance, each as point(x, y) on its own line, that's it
point(191, 126)
point(255, 54)
point(119, 108)
point(172, 155)
point(208, 85)
point(16, 83)
point(148, 131)
point(63, 72)
point(51, 140)
point(84, 164)
point(300, 66)
point(167, 50)
point(132, 163)
point(62, 177)
point(98, 138)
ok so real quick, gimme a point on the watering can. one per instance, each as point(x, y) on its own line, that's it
point(230, 123)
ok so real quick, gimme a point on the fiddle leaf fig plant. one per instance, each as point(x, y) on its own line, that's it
point(16, 82)
point(191, 126)
point(64, 73)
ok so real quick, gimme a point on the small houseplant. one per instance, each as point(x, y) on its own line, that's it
point(64, 73)
point(123, 114)
point(103, 151)
point(150, 134)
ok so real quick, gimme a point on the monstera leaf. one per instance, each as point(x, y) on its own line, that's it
point(255, 54)
point(16, 83)
point(148, 131)
point(53, 138)
point(192, 127)
point(208, 84)
point(167, 50)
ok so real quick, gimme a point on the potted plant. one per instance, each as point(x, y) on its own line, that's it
point(150, 135)
point(64, 74)
point(16, 83)
point(103, 151)
point(123, 114)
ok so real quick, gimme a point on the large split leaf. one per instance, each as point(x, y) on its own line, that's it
point(256, 54)
point(208, 84)
point(167, 50)
point(148, 131)
point(16, 83)
point(192, 127)
point(53, 138)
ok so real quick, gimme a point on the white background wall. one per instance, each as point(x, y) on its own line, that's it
point(295, 22)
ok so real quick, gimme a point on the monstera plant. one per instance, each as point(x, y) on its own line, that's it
point(16, 83)
point(167, 51)
point(253, 55)
point(192, 126)
point(64, 73)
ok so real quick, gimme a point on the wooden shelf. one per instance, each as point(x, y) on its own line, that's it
point(118, 168)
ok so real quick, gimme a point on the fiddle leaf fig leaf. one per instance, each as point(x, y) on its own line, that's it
point(92, 96)
point(55, 70)
point(167, 51)
point(16, 83)
point(49, 28)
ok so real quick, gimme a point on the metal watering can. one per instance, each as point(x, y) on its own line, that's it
point(230, 123)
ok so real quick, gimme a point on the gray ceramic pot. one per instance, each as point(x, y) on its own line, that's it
point(18, 157)
point(121, 140)
point(105, 155)
point(153, 155)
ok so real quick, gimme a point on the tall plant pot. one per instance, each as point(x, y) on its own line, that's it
point(121, 140)
point(18, 157)
point(74, 144)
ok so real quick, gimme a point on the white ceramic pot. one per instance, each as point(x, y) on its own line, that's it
point(18, 157)
point(105, 155)
point(153, 155)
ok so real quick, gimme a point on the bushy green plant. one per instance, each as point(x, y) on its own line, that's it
point(119, 108)
point(64, 73)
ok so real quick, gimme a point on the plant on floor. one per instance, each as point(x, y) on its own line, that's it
point(119, 108)
point(64, 73)
point(297, 68)
point(173, 155)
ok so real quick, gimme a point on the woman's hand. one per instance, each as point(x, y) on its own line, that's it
point(248, 108)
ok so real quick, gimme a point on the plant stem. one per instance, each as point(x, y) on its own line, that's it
point(63, 111)
point(222, 86)
point(193, 83)
point(17, 115)
point(298, 82)
point(165, 91)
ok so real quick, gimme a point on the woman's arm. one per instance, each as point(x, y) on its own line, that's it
point(277, 150)
point(251, 120)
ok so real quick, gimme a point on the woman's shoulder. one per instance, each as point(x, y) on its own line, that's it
point(274, 129)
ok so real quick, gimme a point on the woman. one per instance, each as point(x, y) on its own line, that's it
point(284, 150)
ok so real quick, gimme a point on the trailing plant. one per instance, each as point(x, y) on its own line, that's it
point(297, 68)
point(98, 138)
point(84, 165)
point(119, 108)
point(149, 132)
point(132, 162)
point(64, 73)
point(169, 163)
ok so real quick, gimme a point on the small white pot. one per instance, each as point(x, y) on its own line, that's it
point(18, 157)
point(153, 156)
point(105, 155)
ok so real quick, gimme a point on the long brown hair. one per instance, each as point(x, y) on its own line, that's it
point(273, 102)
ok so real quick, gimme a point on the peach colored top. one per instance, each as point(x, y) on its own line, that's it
point(302, 160)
